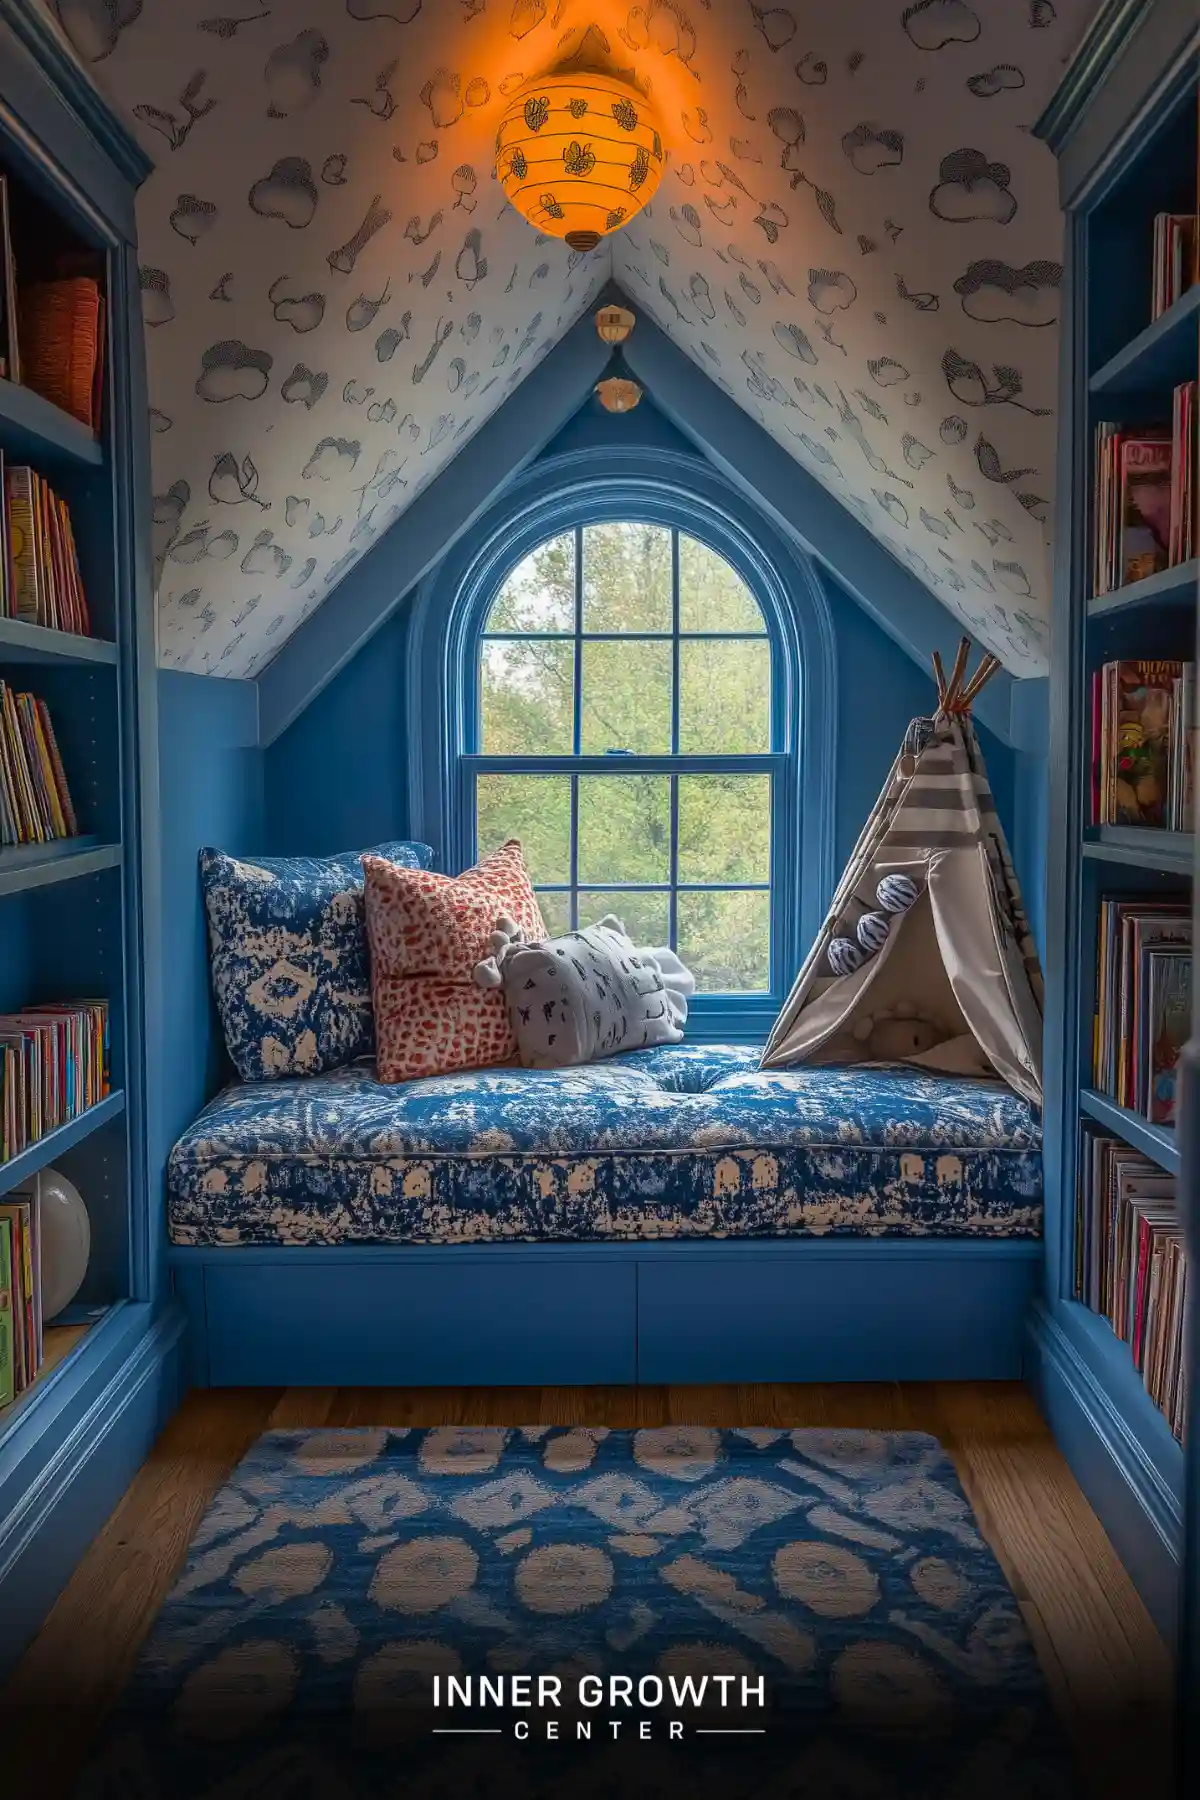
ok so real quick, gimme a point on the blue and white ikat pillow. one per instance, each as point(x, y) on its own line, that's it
point(288, 947)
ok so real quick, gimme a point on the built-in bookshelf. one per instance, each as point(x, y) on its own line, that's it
point(74, 635)
point(1119, 1012)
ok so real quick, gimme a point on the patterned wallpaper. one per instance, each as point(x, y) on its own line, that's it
point(856, 236)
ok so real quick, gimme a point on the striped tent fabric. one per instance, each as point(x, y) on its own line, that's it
point(925, 957)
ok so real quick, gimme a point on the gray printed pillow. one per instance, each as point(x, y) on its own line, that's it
point(588, 995)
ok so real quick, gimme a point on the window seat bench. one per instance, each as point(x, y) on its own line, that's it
point(669, 1215)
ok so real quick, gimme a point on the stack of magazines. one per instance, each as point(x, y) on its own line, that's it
point(1176, 254)
point(1130, 1264)
point(35, 802)
point(53, 1067)
point(1143, 743)
point(1143, 1003)
point(1144, 500)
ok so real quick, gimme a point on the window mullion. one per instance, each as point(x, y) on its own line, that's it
point(577, 738)
point(578, 731)
point(673, 899)
point(574, 914)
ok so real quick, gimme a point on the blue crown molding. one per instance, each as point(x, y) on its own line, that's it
point(758, 467)
point(1123, 80)
point(396, 562)
point(1101, 44)
point(33, 26)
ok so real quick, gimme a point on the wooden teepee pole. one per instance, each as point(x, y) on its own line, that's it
point(957, 673)
point(980, 678)
point(940, 677)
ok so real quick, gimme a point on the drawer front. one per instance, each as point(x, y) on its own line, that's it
point(441, 1323)
point(833, 1319)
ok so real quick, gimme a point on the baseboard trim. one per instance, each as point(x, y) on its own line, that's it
point(84, 1474)
point(1137, 1508)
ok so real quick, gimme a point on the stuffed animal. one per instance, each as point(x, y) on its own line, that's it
point(895, 1033)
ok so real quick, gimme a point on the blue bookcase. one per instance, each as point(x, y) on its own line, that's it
point(1124, 126)
point(78, 917)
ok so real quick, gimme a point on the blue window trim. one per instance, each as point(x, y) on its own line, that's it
point(671, 488)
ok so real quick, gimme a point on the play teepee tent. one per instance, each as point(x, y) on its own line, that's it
point(925, 957)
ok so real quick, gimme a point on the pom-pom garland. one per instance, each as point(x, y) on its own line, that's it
point(896, 893)
point(845, 956)
point(872, 931)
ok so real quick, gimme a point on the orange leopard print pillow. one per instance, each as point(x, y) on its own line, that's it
point(426, 932)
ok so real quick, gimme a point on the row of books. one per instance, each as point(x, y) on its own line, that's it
point(1143, 1003)
point(1143, 748)
point(1130, 1263)
point(1144, 496)
point(1176, 259)
point(35, 801)
point(40, 580)
point(54, 1065)
point(22, 1327)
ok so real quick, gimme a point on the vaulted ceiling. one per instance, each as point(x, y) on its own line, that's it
point(856, 236)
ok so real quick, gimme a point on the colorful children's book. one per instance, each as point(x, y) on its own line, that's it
point(1168, 1015)
point(1140, 727)
point(8, 1386)
point(1145, 507)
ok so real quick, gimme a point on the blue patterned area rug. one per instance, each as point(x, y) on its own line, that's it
point(478, 1612)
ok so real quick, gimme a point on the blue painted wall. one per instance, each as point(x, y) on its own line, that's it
point(211, 793)
point(335, 779)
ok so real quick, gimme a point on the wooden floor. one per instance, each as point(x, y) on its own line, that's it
point(1105, 1665)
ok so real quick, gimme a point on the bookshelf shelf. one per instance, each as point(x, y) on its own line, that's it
point(24, 643)
point(24, 866)
point(56, 1143)
point(1158, 1142)
point(34, 430)
point(1159, 357)
point(1140, 847)
point(1170, 587)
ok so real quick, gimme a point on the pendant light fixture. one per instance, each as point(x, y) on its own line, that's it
point(579, 155)
point(618, 392)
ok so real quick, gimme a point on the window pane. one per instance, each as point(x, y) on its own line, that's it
point(646, 917)
point(713, 596)
point(724, 828)
point(724, 697)
point(556, 912)
point(526, 698)
point(624, 828)
point(724, 939)
point(626, 698)
point(534, 808)
point(626, 578)
point(539, 594)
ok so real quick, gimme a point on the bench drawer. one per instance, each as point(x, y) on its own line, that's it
point(457, 1320)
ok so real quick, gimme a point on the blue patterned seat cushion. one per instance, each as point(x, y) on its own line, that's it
point(684, 1140)
point(288, 946)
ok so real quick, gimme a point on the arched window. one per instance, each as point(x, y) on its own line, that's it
point(623, 731)
point(623, 665)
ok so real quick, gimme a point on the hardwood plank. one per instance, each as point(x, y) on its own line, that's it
point(1107, 1667)
point(302, 1409)
point(85, 1651)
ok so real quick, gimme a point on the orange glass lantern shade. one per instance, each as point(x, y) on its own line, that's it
point(579, 155)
